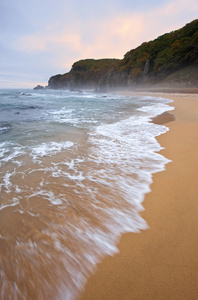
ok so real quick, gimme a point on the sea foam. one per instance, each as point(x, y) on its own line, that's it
point(48, 149)
point(74, 187)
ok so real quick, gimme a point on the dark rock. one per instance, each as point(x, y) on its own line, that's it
point(25, 94)
point(38, 87)
point(53, 82)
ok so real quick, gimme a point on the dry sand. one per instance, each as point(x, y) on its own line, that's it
point(161, 262)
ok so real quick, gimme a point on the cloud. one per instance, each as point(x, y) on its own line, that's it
point(113, 37)
point(41, 42)
point(180, 7)
point(50, 36)
point(172, 16)
point(31, 43)
point(117, 34)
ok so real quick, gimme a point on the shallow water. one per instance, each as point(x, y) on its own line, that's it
point(74, 169)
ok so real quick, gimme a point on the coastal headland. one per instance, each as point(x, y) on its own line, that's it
point(169, 61)
point(161, 262)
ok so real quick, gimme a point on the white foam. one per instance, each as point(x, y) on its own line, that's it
point(154, 110)
point(62, 111)
point(49, 195)
point(63, 115)
point(8, 153)
point(129, 139)
point(17, 189)
point(4, 129)
point(7, 182)
point(3, 151)
point(130, 147)
point(14, 203)
point(49, 149)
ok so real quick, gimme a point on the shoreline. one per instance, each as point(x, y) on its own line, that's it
point(161, 262)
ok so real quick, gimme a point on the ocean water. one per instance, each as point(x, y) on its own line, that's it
point(74, 170)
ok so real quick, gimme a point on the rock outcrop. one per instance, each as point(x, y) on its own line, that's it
point(38, 87)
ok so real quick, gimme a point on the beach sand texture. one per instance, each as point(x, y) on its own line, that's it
point(161, 262)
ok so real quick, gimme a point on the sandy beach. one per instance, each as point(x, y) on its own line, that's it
point(161, 262)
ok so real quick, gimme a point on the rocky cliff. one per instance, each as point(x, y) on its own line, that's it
point(171, 58)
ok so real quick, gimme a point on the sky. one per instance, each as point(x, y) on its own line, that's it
point(42, 38)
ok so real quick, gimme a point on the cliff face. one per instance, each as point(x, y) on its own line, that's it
point(151, 63)
point(86, 73)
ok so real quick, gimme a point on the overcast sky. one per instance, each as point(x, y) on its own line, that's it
point(41, 38)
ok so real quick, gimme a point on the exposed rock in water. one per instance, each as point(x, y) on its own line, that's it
point(39, 87)
point(25, 94)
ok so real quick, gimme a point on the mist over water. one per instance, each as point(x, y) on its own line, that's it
point(74, 170)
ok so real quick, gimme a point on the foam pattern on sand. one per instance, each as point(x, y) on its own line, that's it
point(74, 172)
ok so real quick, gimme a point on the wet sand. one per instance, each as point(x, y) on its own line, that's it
point(161, 262)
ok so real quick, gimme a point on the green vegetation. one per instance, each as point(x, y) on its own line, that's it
point(168, 52)
point(89, 71)
point(149, 63)
point(95, 65)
